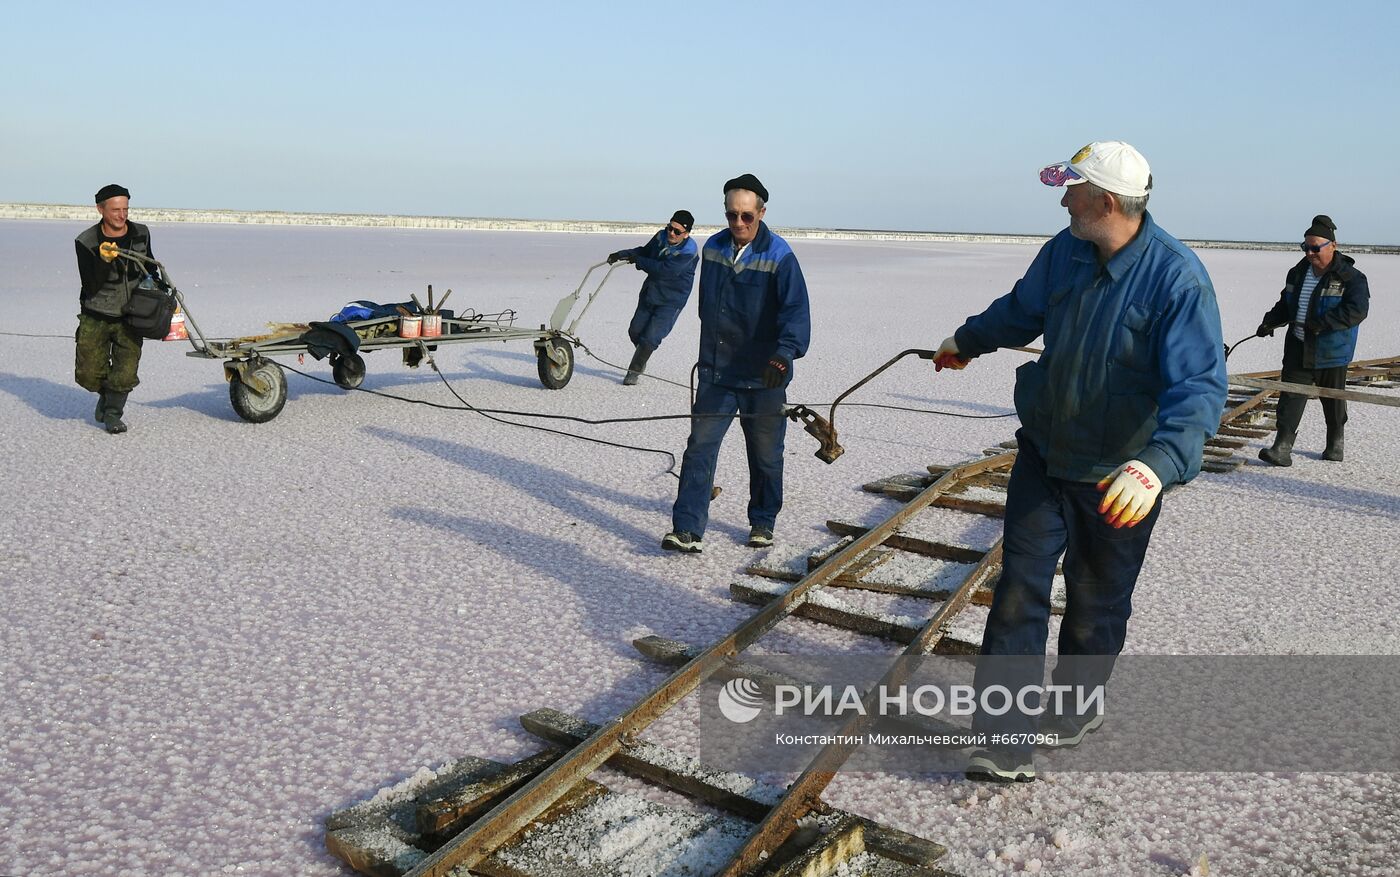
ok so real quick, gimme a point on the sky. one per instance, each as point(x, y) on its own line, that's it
point(920, 116)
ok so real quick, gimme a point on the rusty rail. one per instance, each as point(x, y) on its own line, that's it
point(510, 816)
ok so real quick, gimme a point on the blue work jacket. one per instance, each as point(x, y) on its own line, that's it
point(1134, 364)
point(670, 271)
point(752, 310)
point(1340, 302)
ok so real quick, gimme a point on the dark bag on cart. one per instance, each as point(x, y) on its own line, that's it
point(150, 309)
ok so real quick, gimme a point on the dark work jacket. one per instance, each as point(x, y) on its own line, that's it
point(750, 311)
point(1339, 304)
point(106, 286)
point(670, 271)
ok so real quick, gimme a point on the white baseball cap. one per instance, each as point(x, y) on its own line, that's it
point(1112, 165)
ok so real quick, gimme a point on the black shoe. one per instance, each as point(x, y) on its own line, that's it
point(1281, 454)
point(760, 537)
point(637, 365)
point(1067, 731)
point(1335, 445)
point(998, 766)
point(101, 406)
point(688, 543)
point(112, 412)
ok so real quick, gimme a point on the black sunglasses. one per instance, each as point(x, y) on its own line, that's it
point(746, 216)
point(1315, 248)
point(671, 229)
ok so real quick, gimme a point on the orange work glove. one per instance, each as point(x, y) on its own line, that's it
point(1132, 490)
point(947, 356)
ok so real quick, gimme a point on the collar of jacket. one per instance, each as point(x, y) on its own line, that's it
point(1341, 265)
point(1087, 251)
point(759, 243)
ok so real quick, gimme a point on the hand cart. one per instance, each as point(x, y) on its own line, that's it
point(258, 387)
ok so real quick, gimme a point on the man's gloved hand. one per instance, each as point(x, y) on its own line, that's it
point(947, 356)
point(107, 250)
point(1132, 490)
point(776, 372)
point(1265, 331)
point(619, 256)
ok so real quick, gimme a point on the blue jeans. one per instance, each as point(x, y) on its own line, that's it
point(1045, 518)
point(650, 325)
point(763, 439)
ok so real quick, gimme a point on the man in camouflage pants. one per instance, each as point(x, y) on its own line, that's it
point(108, 351)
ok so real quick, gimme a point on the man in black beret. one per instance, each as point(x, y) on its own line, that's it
point(1323, 302)
point(754, 322)
point(669, 262)
point(109, 351)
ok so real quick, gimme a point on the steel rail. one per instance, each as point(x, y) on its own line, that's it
point(804, 795)
point(1270, 384)
point(504, 821)
point(1322, 392)
point(1360, 363)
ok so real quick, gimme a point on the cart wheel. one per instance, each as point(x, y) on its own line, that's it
point(555, 375)
point(348, 370)
point(256, 407)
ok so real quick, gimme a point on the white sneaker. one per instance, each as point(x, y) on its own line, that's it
point(987, 765)
point(685, 542)
point(1065, 732)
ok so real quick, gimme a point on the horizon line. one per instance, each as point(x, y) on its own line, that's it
point(215, 216)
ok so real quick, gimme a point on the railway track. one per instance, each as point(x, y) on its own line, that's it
point(543, 816)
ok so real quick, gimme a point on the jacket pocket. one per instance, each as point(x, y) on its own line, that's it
point(1130, 415)
point(1132, 341)
point(1031, 404)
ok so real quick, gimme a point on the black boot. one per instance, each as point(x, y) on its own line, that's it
point(638, 364)
point(101, 405)
point(1281, 454)
point(112, 414)
point(1335, 441)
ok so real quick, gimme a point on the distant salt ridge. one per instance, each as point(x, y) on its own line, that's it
point(571, 226)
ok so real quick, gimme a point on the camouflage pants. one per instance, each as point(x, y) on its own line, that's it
point(107, 356)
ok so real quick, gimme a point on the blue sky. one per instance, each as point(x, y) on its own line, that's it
point(931, 116)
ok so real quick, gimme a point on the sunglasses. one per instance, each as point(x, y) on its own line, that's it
point(671, 229)
point(1315, 248)
point(745, 217)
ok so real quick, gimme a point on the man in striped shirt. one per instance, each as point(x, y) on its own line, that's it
point(1324, 300)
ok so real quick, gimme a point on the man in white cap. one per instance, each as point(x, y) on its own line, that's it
point(1116, 410)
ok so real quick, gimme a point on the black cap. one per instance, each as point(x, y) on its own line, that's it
point(111, 190)
point(750, 182)
point(1322, 227)
point(684, 218)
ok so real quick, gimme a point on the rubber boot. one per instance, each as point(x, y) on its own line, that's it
point(112, 414)
point(101, 406)
point(1281, 454)
point(638, 364)
point(1335, 442)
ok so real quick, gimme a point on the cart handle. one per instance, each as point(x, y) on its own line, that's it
point(110, 252)
point(566, 304)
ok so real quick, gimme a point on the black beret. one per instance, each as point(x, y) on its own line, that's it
point(1322, 227)
point(684, 218)
point(750, 182)
point(111, 190)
